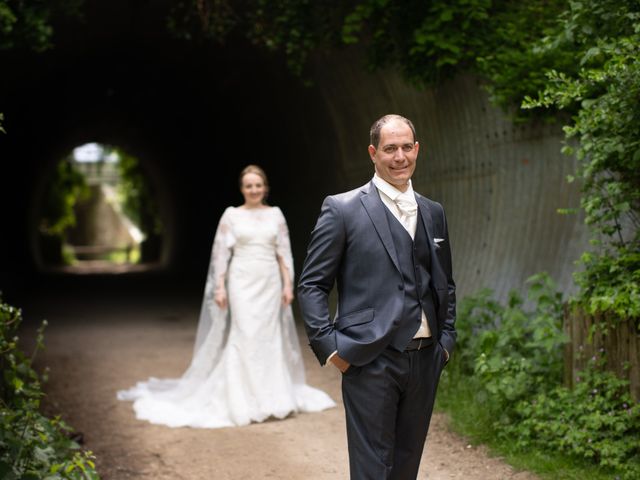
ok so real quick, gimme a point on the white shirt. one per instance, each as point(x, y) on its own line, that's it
point(389, 194)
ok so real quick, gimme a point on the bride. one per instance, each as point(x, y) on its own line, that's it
point(247, 365)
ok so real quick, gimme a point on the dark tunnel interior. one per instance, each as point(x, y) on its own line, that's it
point(194, 113)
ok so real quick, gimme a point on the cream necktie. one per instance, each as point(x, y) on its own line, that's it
point(407, 209)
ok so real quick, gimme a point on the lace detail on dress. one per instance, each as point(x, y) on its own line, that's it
point(283, 244)
point(221, 252)
point(222, 248)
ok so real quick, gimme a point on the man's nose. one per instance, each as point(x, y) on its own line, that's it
point(398, 155)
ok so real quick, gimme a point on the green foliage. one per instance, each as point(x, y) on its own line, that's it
point(65, 189)
point(124, 256)
point(214, 18)
point(134, 188)
point(32, 446)
point(425, 40)
point(597, 421)
point(28, 24)
point(509, 59)
point(602, 92)
point(294, 28)
point(508, 368)
point(513, 351)
point(430, 41)
point(611, 283)
point(464, 399)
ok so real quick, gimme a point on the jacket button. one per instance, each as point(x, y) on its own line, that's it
point(400, 287)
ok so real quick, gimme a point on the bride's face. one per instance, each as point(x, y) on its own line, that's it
point(253, 189)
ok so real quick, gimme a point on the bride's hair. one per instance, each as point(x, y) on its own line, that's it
point(260, 172)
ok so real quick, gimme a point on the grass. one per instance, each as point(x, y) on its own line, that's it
point(458, 397)
point(123, 256)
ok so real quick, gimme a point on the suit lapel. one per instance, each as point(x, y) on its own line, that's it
point(425, 212)
point(436, 270)
point(372, 203)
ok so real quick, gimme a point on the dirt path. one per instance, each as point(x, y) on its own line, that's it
point(109, 345)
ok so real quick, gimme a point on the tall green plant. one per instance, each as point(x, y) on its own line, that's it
point(32, 446)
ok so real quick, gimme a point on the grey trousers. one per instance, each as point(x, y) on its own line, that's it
point(388, 405)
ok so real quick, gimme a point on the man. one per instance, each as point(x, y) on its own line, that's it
point(387, 248)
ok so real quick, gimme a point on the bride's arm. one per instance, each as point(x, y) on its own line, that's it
point(222, 250)
point(287, 287)
point(220, 295)
point(285, 259)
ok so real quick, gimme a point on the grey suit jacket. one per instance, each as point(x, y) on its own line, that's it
point(351, 245)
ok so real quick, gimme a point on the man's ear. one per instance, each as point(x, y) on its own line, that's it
point(372, 153)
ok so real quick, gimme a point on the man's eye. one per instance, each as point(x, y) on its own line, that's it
point(407, 148)
point(389, 149)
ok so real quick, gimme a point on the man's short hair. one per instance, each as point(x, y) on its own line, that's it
point(374, 133)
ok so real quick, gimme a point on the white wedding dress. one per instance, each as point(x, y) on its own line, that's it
point(247, 364)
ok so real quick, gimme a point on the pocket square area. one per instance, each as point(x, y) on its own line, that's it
point(438, 240)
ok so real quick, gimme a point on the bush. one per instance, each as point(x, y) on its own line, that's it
point(512, 351)
point(32, 446)
point(510, 357)
point(597, 421)
point(610, 284)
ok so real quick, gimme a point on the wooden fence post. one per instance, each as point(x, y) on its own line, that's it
point(618, 339)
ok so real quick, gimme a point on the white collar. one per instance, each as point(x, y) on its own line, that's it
point(392, 192)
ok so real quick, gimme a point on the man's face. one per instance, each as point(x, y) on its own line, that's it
point(395, 156)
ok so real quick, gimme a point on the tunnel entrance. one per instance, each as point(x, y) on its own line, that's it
point(193, 113)
point(99, 214)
